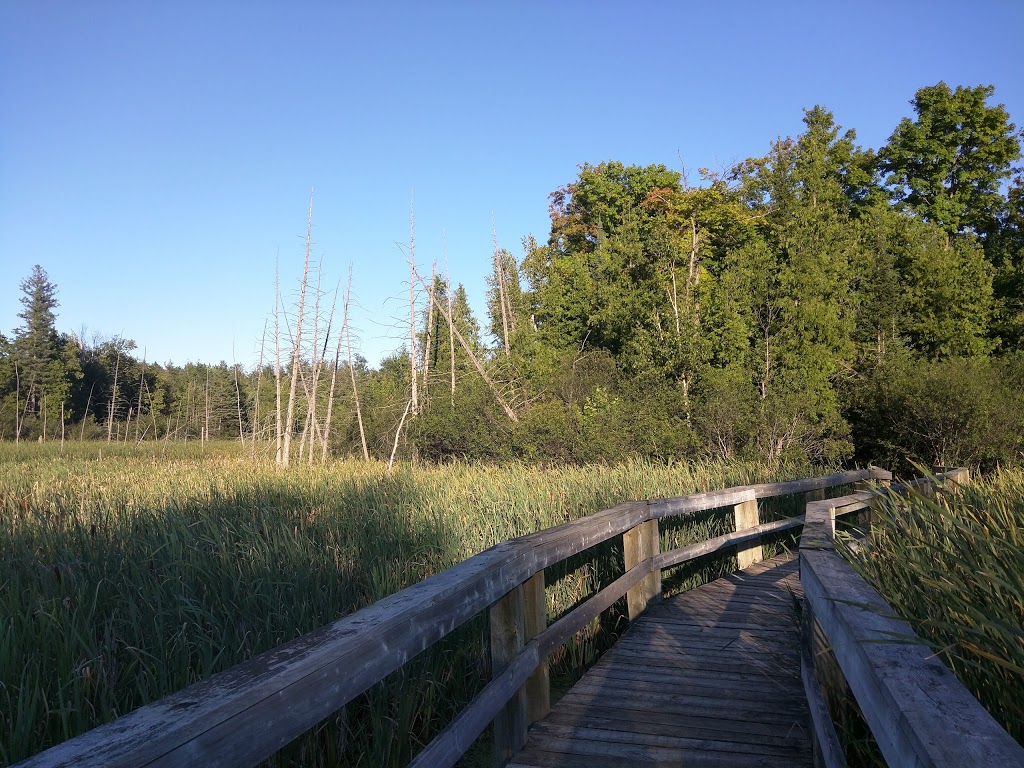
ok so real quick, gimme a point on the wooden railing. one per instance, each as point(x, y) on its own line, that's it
point(243, 715)
point(917, 711)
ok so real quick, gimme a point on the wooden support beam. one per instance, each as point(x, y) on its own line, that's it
point(871, 485)
point(827, 750)
point(818, 494)
point(918, 712)
point(508, 630)
point(538, 687)
point(747, 517)
point(639, 544)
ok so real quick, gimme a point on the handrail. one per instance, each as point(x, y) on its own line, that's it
point(243, 715)
point(917, 710)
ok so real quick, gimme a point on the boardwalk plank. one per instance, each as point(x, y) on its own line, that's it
point(707, 678)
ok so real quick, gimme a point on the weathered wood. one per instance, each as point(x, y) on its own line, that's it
point(652, 581)
point(694, 727)
point(679, 691)
point(641, 544)
point(719, 543)
point(917, 711)
point(820, 525)
point(700, 502)
point(830, 682)
point(818, 494)
point(508, 630)
point(538, 687)
point(227, 718)
point(828, 752)
point(746, 517)
point(448, 746)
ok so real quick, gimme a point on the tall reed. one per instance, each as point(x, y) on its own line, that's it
point(126, 575)
point(953, 565)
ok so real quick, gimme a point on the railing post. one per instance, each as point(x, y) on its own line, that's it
point(538, 687)
point(747, 517)
point(869, 485)
point(508, 632)
point(958, 477)
point(818, 494)
point(638, 544)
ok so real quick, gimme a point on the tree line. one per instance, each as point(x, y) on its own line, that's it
point(822, 302)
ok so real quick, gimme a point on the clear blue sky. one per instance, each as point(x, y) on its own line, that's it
point(156, 157)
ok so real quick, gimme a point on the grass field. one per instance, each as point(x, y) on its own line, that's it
point(128, 574)
point(954, 566)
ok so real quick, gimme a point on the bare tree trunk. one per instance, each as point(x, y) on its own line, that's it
point(206, 409)
point(352, 370)
point(412, 307)
point(325, 433)
point(476, 363)
point(113, 398)
point(675, 298)
point(398, 433)
point(152, 413)
point(62, 426)
point(279, 432)
point(311, 421)
point(305, 431)
point(256, 404)
point(85, 418)
point(138, 406)
point(17, 404)
point(297, 347)
point(238, 399)
point(430, 332)
point(451, 325)
point(334, 381)
point(499, 276)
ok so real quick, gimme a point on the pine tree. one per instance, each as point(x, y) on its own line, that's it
point(39, 367)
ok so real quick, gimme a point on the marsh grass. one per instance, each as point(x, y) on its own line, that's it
point(953, 565)
point(127, 574)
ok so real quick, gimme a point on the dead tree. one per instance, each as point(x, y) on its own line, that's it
point(412, 306)
point(297, 346)
point(476, 362)
point(352, 370)
point(499, 277)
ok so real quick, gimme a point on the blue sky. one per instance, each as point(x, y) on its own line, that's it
point(156, 158)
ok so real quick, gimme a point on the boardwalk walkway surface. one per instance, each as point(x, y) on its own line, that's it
point(708, 678)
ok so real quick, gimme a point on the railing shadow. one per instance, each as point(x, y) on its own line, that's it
point(700, 666)
point(129, 606)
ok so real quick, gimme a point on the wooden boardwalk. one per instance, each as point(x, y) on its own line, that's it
point(708, 678)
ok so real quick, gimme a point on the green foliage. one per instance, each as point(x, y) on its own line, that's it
point(956, 412)
point(946, 165)
point(41, 378)
point(749, 315)
point(953, 566)
point(1005, 249)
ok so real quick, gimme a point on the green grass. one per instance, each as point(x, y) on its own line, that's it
point(953, 566)
point(127, 574)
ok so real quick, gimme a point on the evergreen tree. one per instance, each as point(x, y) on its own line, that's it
point(39, 369)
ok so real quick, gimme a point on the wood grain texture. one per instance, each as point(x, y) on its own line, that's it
point(535, 621)
point(918, 712)
point(747, 518)
point(508, 630)
point(682, 688)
